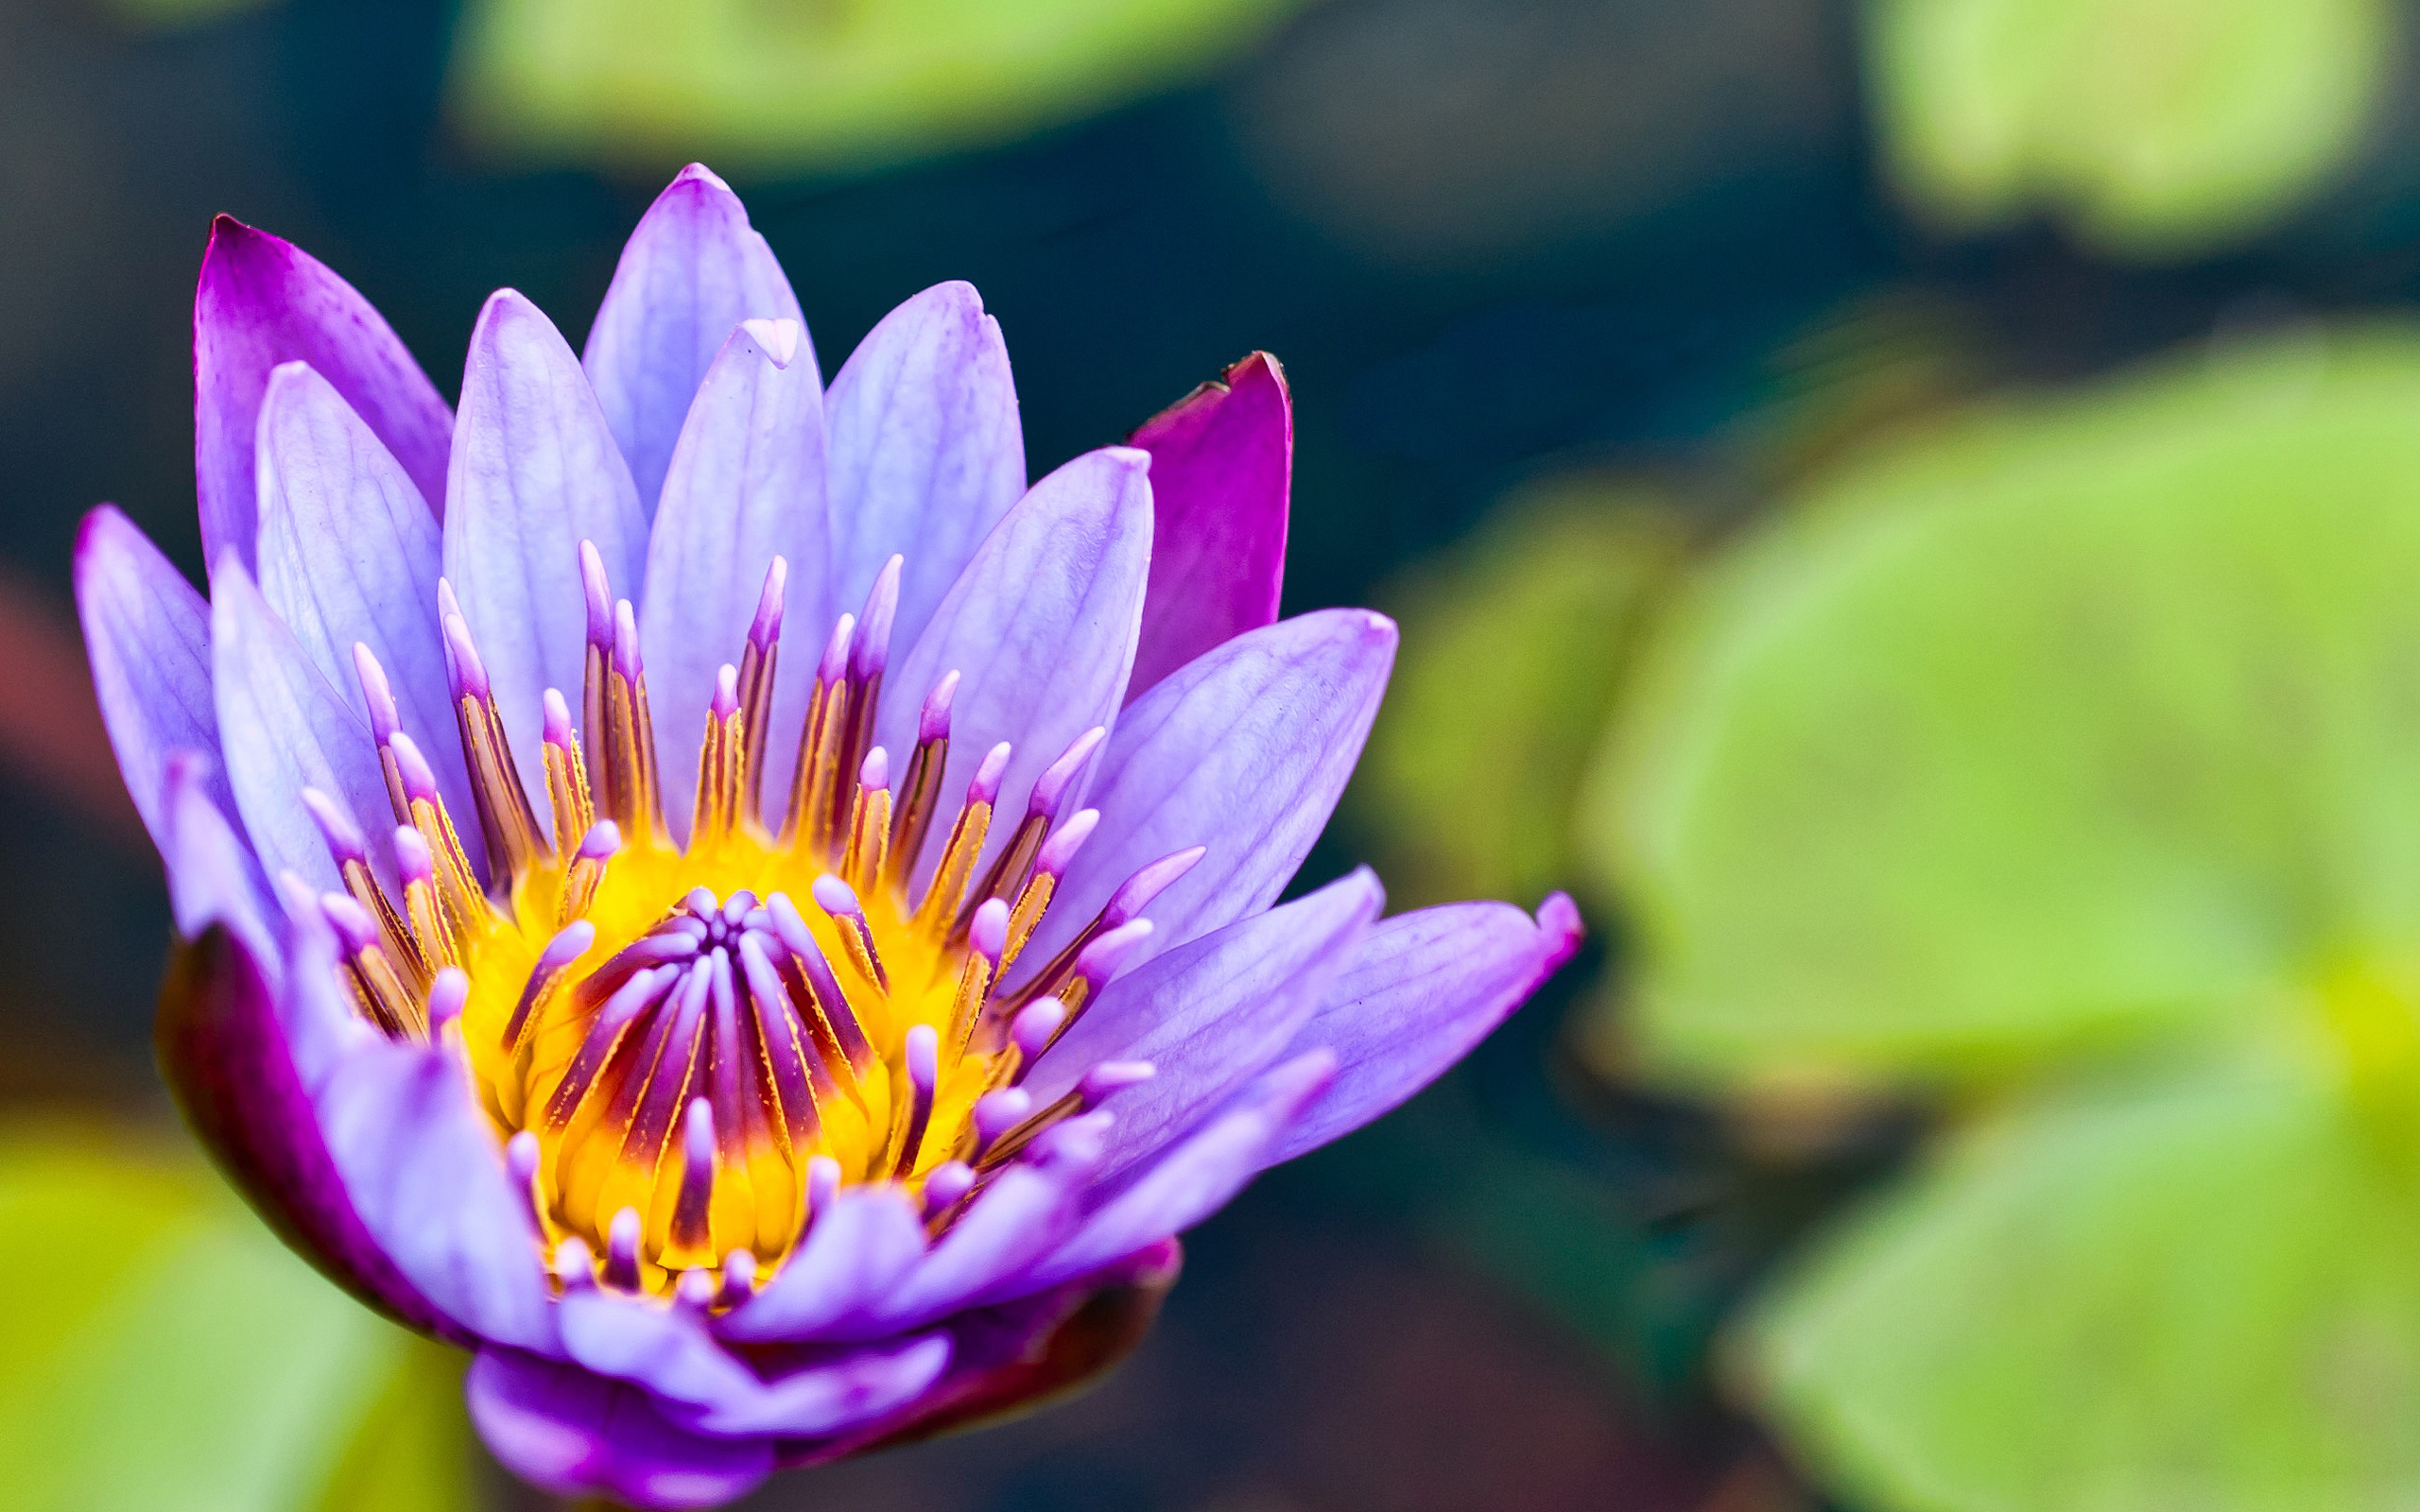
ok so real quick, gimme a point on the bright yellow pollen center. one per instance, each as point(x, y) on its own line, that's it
point(593, 1166)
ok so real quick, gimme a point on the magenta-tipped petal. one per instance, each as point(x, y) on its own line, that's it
point(263, 302)
point(1040, 628)
point(1222, 461)
point(1245, 750)
point(692, 271)
point(745, 485)
point(534, 473)
point(926, 453)
point(1415, 995)
point(147, 634)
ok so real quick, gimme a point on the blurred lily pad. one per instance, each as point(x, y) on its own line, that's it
point(1512, 643)
point(2157, 129)
point(169, 1352)
point(823, 83)
point(2193, 1294)
point(2085, 720)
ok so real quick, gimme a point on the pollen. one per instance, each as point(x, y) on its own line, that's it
point(688, 1049)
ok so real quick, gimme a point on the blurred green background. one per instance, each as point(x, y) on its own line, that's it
point(1909, 507)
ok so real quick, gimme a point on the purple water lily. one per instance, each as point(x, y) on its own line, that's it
point(711, 892)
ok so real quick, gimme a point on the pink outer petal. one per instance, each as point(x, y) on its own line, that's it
point(263, 302)
point(147, 634)
point(566, 1431)
point(1222, 460)
point(1244, 750)
point(1417, 993)
point(693, 270)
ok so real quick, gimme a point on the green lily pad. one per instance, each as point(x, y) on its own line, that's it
point(836, 83)
point(2194, 1291)
point(168, 1352)
point(1512, 643)
point(2083, 721)
point(2153, 127)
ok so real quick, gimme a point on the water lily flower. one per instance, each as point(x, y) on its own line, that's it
point(709, 891)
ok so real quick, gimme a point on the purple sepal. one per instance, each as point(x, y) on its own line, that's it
point(262, 302)
point(223, 1053)
point(564, 1430)
point(1222, 460)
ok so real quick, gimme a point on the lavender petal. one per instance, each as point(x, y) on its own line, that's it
point(1244, 750)
point(926, 455)
point(693, 270)
point(746, 485)
point(535, 471)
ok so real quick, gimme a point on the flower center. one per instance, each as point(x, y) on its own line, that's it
point(689, 1050)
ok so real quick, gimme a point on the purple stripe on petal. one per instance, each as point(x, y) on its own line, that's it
point(1211, 1015)
point(535, 471)
point(286, 729)
point(746, 485)
point(568, 1432)
point(1222, 460)
point(1416, 994)
point(348, 556)
point(1040, 628)
point(147, 634)
point(693, 270)
point(1193, 1180)
point(1245, 751)
point(263, 302)
point(926, 456)
point(853, 1256)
